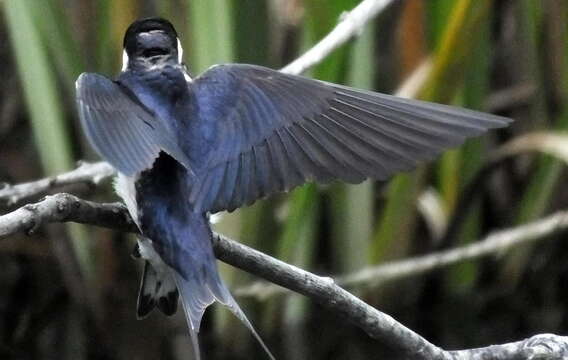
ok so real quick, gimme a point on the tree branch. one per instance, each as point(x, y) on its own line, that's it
point(88, 173)
point(351, 24)
point(538, 347)
point(496, 243)
point(65, 207)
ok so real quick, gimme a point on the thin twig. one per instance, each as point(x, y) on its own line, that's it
point(351, 25)
point(512, 97)
point(65, 207)
point(88, 173)
point(495, 244)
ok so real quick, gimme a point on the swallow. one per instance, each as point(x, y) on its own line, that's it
point(185, 147)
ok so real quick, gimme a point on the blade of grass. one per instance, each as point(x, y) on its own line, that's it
point(396, 221)
point(350, 206)
point(353, 205)
point(393, 229)
point(438, 13)
point(321, 17)
point(44, 107)
point(440, 86)
point(58, 37)
point(210, 32)
point(466, 21)
point(40, 91)
point(42, 99)
point(472, 154)
point(298, 239)
point(296, 246)
point(209, 38)
point(453, 51)
point(251, 31)
point(539, 192)
point(455, 45)
point(106, 53)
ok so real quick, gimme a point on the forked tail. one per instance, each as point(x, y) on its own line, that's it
point(177, 243)
point(197, 295)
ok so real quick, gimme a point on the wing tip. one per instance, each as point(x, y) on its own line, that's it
point(504, 121)
point(495, 121)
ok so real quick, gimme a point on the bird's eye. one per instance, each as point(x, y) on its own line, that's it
point(155, 51)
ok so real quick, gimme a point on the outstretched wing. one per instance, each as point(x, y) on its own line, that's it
point(276, 131)
point(120, 129)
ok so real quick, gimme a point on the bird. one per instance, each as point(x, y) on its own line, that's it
point(185, 147)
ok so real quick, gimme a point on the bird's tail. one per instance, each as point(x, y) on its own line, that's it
point(197, 293)
point(181, 253)
point(156, 289)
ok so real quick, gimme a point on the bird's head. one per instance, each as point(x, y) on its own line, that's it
point(150, 42)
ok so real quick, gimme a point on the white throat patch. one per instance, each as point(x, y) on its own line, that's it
point(180, 52)
point(180, 61)
point(125, 60)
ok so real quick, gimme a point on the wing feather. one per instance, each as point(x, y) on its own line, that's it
point(277, 131)
point(120, 129)
point(291, 173)
point(229, 181)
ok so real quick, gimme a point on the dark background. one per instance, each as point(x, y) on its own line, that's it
point(69, 292)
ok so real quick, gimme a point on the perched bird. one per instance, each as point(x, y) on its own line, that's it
point(187, 147)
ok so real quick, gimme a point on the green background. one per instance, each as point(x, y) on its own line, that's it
point(69, 291)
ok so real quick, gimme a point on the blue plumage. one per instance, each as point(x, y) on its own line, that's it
point(186, 147)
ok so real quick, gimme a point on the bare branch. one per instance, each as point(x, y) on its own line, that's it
point(494, 244)
point(538, 347)
point(351, 24)
point(88, 173)
point(65, 207)
point(324, 291)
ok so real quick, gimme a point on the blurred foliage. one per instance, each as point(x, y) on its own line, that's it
point(504, 56)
